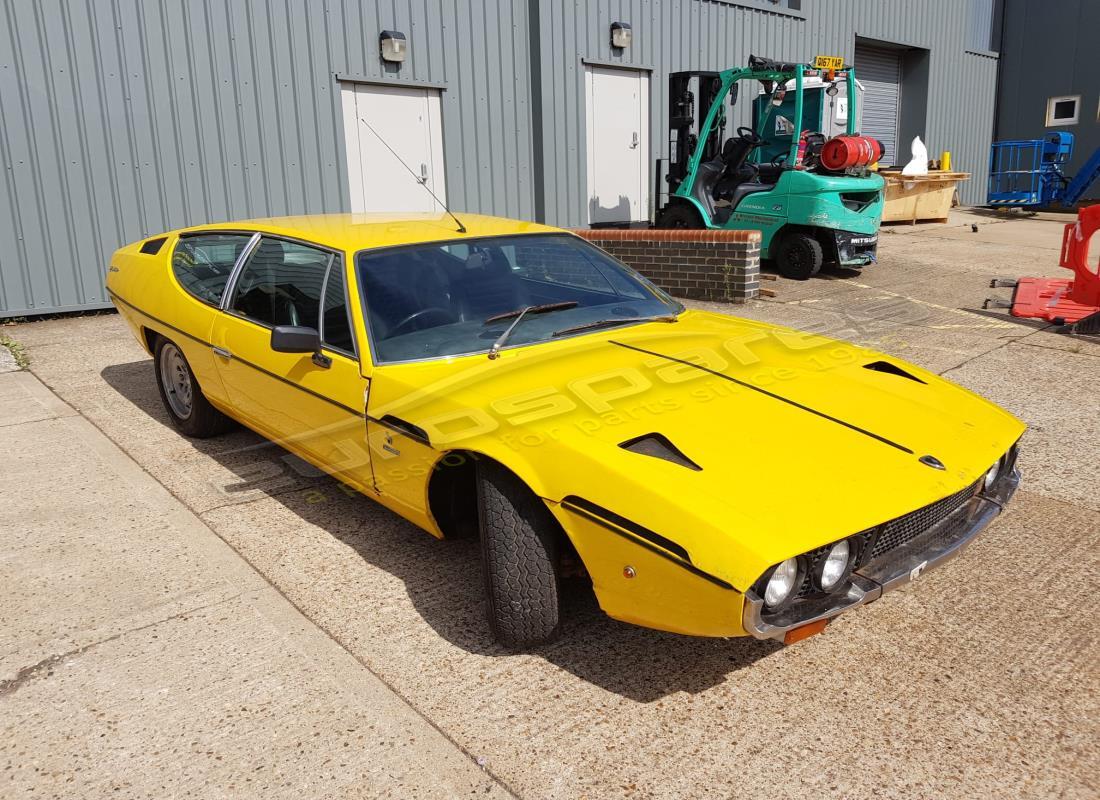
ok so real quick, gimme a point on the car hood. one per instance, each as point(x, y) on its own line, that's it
point(788, 440)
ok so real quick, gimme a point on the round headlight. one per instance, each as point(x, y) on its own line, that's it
point(992, 475)
point(781, 584)
point(835, 565)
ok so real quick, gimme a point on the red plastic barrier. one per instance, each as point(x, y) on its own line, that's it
point(1057, 299)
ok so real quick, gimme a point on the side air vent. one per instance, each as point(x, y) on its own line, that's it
point(891, 369)
point(152, 246)
point(658, 446)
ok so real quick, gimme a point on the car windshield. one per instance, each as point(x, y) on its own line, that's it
point(435, 300)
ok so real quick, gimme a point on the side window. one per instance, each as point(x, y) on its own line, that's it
point(202, 263)
point(281, 284)
point(336, 330)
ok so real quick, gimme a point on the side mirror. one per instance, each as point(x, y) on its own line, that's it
point(293, 339)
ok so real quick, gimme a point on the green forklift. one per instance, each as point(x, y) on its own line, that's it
point(811, 194)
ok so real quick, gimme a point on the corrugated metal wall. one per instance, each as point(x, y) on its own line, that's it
point(122, 118)
point(671, 35)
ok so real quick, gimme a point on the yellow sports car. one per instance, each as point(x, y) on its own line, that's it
point(710, 475)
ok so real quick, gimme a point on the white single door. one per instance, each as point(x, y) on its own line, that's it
point(617, 106)
point(406, 120)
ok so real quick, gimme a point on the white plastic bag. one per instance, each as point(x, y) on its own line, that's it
point(918, 164)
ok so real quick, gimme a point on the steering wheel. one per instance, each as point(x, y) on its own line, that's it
point(749, 135)
point(780, 158)
point(443, 315)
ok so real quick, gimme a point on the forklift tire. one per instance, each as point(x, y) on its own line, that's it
point(679, 215)
point(800, 256)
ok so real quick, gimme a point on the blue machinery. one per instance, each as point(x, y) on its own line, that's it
point(1028, 172)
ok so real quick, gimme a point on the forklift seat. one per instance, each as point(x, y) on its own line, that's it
point(735, 152)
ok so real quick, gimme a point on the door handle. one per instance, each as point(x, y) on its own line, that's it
point(221, 351)
point(634, 143)
point(423, 173)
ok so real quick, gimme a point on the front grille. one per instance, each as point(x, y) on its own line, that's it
point(908, 527)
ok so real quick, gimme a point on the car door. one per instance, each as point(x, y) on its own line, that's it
point(311, 404)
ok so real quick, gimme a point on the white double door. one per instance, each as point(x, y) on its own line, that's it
point(406, 120)
point(617, 113)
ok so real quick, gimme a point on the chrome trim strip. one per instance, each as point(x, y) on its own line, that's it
point(231, 284)
point(321, 301)
point(899, 567)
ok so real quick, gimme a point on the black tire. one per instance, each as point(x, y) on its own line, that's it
point(519, 554)
point(799, 257)
point(679, 215)
point(195, 417)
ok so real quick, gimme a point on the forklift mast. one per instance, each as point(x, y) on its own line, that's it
point(690, 97)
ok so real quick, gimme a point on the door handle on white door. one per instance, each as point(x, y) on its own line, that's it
point(423, 173)
point(634, 143)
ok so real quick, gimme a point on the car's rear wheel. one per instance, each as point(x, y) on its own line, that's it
point(182, 396)
point(519, 548)
point(800, 256)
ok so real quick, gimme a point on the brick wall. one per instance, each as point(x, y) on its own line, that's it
point(698, 264)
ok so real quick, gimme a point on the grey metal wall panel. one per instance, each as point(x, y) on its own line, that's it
point(124, 118)
point(979, 33)
point(1065, 37)
point(672, 35)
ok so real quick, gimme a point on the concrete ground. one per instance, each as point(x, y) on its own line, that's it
point(141, 656)
point(980, 680)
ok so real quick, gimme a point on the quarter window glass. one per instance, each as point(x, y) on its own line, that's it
point(281, 284)
point(337, 330)
point(202, 263)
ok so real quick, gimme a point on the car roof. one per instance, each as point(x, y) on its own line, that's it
point(362, 231)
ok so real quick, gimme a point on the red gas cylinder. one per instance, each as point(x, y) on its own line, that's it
point(844, 152)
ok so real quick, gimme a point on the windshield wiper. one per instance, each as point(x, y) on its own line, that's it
point(516, 312)
point(519, 314)
point(607, 323)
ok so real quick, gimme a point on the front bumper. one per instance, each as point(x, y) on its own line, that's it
point(900, 566)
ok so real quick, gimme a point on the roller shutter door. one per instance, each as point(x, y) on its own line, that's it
point(879, 70)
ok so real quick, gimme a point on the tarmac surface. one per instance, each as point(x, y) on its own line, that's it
point(181, 616)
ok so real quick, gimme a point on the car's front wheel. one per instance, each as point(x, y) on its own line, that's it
point(182, 396)
point(519, 547)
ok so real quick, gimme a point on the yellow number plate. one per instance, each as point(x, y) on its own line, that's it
point(828, 62)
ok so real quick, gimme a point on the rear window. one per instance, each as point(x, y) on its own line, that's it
point(203, 262)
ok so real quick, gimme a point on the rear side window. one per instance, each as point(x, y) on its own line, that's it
point(202, 263)
point(282, 283)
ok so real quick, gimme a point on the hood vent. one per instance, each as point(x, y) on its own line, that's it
point(658, 446)
point(891, 369)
